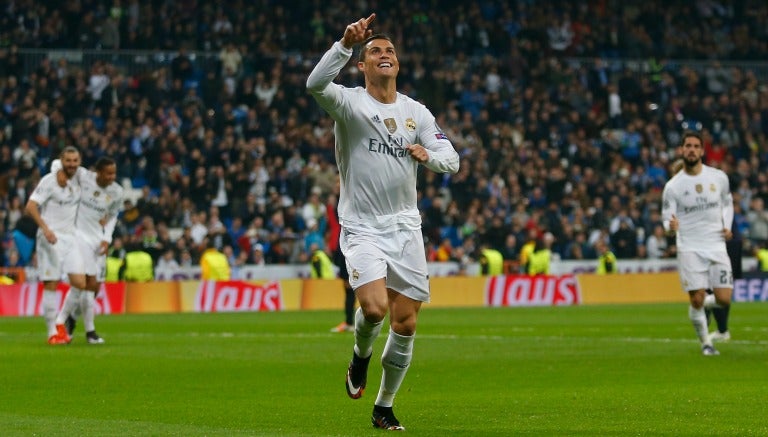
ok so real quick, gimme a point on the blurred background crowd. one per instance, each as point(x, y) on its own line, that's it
point(566, 115)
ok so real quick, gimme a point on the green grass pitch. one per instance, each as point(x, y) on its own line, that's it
point(583, 370)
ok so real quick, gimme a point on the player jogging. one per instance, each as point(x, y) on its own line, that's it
point(698, 206)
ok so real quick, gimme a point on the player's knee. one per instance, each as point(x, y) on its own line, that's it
point(406, 327)
point(92, 285)
point(404, 330)
point(723, 297)
point(374, 313)
point(78, 282)
point(697, 298)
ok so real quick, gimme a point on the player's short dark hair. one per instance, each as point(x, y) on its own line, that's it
point(364, 45)
point(69, 149)
point(688, 134)
point(104, 162)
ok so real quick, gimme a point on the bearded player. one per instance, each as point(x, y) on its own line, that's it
point(698, 207)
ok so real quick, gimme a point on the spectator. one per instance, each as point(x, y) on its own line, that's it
point(624, 240)
point(137, 265)
point(541, 256)
point(257, 255)
point(25, 158)
point(656, 244)
point(214, 264)
point(181, 66)
point(758, 222)
point(168, 261)
point(231, 60)
point(314, 210)
point(606, 261)
point(491, 261)
point(198, 230)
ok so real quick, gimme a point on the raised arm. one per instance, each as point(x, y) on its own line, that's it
point(338, 55)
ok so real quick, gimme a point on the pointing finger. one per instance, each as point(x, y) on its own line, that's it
point(370, 19)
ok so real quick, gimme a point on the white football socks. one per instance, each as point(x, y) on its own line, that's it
point(88, 304)
point(71, 302)
point(395, 361)
point(365, 334)
point(50, 307)
point(699, 321)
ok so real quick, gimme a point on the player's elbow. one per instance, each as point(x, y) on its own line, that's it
point(30, 207)
point(453, 166)
point(314, 86)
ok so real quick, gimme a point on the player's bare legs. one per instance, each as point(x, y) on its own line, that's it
point(368, 321)
point(699, 301)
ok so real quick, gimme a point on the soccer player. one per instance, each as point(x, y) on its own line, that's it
point(53, 206)
point(100, 203)
point(697, 205)
point(733, 247)
point(382, 138)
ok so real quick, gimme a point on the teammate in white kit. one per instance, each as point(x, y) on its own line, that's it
point(698, 206)
point(382, 137)
point(100, 203)
point(53, 206)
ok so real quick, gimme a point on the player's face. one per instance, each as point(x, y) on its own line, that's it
point(380, 59)
point(692, 151)
point(69, 163)
point(106, 175)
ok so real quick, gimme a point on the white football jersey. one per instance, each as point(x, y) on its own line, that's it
point(57, 204)
point(378, 176)
point(96, 203)
point(703, 206)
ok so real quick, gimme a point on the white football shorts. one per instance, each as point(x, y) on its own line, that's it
point(93, 264)
point(703, 270)
point(56, 260)
point(397, 256)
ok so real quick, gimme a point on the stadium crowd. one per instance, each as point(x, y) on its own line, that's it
point(554, 138)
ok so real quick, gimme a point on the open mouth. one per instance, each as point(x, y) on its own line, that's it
point(385, 65)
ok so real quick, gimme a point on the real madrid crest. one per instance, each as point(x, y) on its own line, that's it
point(391, 125)
point(410, 124)
point(712, 188)
point(699, 188)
